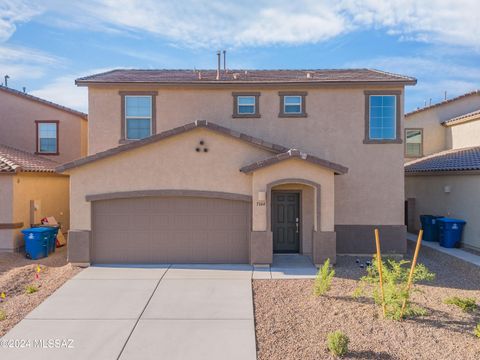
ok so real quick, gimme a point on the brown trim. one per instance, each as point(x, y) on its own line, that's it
point(235, 113)
point(36, 135)
point(122, 94)
point(398, 122)
point(294, 154)
point(11, 225)
point(274, 148)
point(168, 193)
point(293, 181)
point(302, 94)
point(421, 144)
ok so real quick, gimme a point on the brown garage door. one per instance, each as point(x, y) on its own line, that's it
point(170, 230)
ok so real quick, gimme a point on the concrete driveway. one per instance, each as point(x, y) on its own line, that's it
point(142, 312)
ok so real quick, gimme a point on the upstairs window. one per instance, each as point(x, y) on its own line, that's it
point(382, 118)
point(246, 105)
point(292, 104)
point(47, 137)
point(138, 117)
point(413, 143)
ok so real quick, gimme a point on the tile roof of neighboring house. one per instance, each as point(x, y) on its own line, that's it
point(294, 154)
point(472, 116)
point(458, 160)
point(274, 148)
point(13, 160)
point(471, 93)
point(42, 101)
point(163, 76)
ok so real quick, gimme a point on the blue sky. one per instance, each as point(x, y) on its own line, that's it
point(45, 45)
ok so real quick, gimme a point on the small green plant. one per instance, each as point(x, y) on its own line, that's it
point(30, 289)
point(395, 278)
point(337, 343)
point(476, 331)
point(3, 315)
point(466, 304)
point(323, 281)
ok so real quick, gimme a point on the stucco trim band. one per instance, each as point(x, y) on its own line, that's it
point(11, 225)
point(168, 193)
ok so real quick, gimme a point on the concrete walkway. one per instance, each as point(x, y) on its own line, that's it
point(141, 312)
point(458, 253)
point(288, 266)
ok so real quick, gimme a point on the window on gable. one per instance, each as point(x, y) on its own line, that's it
point(138, 117)
point(382, 117)
point(47, 137)
point(413, 142)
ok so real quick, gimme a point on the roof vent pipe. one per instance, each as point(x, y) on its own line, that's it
point(225, 61)
point(218, 65)
point(24, 89)
point(6, 80)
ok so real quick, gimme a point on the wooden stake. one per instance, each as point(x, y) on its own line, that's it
point(380, 274)
point(412, 270)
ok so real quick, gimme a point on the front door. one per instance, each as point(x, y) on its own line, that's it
point(286, 221)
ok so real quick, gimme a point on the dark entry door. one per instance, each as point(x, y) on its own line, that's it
point(286, 221)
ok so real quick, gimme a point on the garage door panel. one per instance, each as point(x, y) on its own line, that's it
point(170, 229)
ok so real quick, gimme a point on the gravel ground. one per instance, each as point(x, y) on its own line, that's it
point(293, 324)
point(16, 272)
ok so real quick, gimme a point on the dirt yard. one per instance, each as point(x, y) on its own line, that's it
point(293, 324)
point(17, 272)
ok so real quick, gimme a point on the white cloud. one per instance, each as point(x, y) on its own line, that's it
point(13, 12)
point(62, 90)
point(198, 23)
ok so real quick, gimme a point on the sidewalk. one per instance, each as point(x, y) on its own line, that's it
point(458, 253)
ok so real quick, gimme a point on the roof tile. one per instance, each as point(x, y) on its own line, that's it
point(466, 159)
point(14, 160)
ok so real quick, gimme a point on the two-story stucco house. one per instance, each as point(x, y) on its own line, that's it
point(442, 154)
point(234, 166)
point(35, 137)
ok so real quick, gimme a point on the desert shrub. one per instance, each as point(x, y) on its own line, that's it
point(3, 315)
point(337, 343)
point(466, 304)
point(30, 289)
point(395, 278)
point(476, 331)
point(323, 281)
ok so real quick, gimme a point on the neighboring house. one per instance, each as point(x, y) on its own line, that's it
point(231, 167)
point(35, 136)
point(446, 180)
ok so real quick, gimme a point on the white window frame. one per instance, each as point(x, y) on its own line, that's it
point(299, 103)
point(406, 143)
point(254, 105)
point(138, 117)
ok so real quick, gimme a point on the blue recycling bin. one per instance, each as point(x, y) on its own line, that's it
point(429, 226)
point(450, 232)
point(37, 242)
point(52, 232)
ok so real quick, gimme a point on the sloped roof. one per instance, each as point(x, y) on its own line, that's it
point(294, 154)
point(457, 160)
point(441, 103)
point(42, 101)
point(173, 132)
point(13, 160)
point(245, 76)
point(474, 115)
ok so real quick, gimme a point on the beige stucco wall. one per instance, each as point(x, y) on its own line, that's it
point(6, 211)
point(463, 135)
point(17, 127)
point(334, 130)
point(52, 192)
point(462, 202)
point(168, 164)
point(435, 136)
